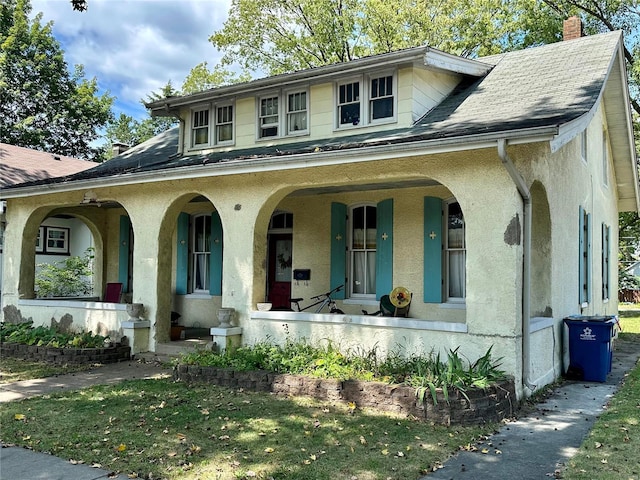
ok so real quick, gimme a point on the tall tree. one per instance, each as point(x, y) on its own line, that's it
point(42, 105)
point(200, 78)
point(310, 33)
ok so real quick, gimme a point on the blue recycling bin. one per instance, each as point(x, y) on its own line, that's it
point(590, 345)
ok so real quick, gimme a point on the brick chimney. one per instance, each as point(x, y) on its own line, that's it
point(572, 28)
point(119, 148)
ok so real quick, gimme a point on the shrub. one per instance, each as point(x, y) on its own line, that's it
point(425, 372)
point(25, 334)
point(67, 278)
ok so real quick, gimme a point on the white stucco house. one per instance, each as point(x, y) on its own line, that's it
point(489, 188)
point(59, 236)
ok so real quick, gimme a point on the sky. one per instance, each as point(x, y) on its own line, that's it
point(133, 47)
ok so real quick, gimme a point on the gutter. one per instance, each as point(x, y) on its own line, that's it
point(524, 192)
point(290, 162)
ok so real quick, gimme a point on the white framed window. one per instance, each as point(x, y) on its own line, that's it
point(200, 253)
point(605, 159)
point(200, 127)
point(40, 240)
point(224, 124)
point(583, 146)
point(381, 98)
point(349, 106)
point(268, 117)
point(366, 100)
point(297, 113)
point(362, 251)
point(455, 252)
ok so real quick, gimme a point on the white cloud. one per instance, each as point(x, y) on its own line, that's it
point(133, 47)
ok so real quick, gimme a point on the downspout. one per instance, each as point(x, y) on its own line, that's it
point(524, 192)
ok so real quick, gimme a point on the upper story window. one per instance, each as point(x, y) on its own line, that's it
point(224, 124)
point(201, 124)
point(269, 118)
point(284, 113)
point(366, 100)
point(583, 146)
point(200, 127)
point(297, 112)
point(381, 97)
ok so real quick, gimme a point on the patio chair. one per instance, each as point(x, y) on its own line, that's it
point(112, 293)
point(396, 304)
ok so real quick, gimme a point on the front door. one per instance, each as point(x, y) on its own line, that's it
point(279, 272)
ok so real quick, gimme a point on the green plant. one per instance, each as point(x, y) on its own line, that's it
point(67, 278)
point(26, 334)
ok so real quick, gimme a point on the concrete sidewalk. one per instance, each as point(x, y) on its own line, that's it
point(18, 463)
point(539, 445)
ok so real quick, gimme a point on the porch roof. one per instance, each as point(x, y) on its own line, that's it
point(543, 93)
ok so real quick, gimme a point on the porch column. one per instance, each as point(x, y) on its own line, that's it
point(152, 273)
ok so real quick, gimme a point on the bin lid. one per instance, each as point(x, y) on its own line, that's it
point(591, 318)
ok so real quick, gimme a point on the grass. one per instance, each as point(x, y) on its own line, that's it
point(162, 429)
point(611, 448)
point(16, 370)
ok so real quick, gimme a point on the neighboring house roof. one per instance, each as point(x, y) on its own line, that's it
point(544, 93)
point(19, 165)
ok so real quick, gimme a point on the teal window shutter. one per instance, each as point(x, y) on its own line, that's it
point(384, 248)
point(182, 256)
point(123, 253)
point(589, 257)
point(338, 248)
point(215, 258)
point(433, 250)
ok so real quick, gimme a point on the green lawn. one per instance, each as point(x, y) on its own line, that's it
point(15, 370)
point(171, 430)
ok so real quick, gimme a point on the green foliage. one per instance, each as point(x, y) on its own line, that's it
point(70, 277)
point(25, 334)
point(42, 104)
point(426, 373)
point(200, 78)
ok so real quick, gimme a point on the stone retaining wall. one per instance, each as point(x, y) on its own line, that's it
point(490, 405)
point(66, 356)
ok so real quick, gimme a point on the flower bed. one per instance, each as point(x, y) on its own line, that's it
point(492, 404)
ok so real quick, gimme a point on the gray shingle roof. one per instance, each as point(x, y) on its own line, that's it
point(545, 86)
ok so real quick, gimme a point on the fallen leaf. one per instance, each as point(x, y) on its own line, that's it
point(385, 452)
point(400, 454)
point(604, 460)
point(363, 440)
point(122, 447)
point(268, 450)
point(485, 450)
point(19, 416)
point(598, 445)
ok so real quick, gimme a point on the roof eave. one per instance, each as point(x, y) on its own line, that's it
point(294, 161)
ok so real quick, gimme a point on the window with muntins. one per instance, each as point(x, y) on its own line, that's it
point(224, 124)
point(297, 112)
point(200, 252)
point(200, 128)
point(455, 252)
point(269, 117)
point(363, 250)
point(349, 104)
point(381, 97)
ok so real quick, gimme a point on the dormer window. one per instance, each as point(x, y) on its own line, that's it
point(224, 124)
point(220, 118)
point(269, 119)
point(381, 97)
point(297, 112)
point(283, 113)
point(366, 100)
point(349, 104)
point(200, 128)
